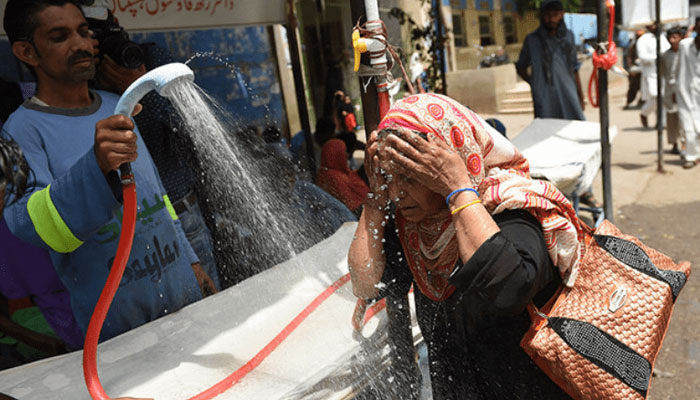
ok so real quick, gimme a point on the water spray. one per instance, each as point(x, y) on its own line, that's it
point(157, 79)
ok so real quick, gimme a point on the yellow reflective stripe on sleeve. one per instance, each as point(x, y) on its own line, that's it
point(49, 224)
point(170, 208)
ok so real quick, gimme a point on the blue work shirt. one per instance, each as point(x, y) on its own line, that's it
point(75, 213)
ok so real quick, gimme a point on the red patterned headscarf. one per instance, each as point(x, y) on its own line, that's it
point(500, 174)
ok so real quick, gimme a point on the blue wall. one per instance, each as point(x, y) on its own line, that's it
point(582, 25)
point(244, 78)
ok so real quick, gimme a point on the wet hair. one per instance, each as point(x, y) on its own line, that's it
point(20, 19)
point(14, 170)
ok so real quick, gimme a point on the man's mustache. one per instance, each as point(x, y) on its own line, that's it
point(79, 55)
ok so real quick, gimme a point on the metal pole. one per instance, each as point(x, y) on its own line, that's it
point(659, 103)
point(437, 8)
point(368, 94)
point(604, 114)
point(299, 86)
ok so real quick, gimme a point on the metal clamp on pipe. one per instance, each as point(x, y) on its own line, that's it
point(376, 49)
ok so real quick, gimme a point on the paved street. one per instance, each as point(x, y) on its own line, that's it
point(662, 209)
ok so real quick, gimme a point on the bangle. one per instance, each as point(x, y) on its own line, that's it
point(460, 208)
point(447, 199)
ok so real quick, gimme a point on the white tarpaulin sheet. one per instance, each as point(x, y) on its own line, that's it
point(638, 13)
point(158, 15)
point(565, 152)
point(180, 355)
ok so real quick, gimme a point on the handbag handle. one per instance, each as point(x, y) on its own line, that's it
point(539, 317)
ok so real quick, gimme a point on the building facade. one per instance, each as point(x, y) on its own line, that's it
point(480, 28)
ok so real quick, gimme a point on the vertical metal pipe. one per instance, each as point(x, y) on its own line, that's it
point(659, 103)
point(372, 10)
point(299, 88)
point(440, 29)
point(604, 115)
point(370, 106)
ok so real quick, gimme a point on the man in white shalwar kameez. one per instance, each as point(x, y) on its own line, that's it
point(646, 51)
point(689, 96)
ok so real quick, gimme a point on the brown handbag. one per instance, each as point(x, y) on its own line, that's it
point(599, 339)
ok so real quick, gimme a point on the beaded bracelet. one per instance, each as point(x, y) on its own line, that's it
point(447, 199)
point(460, 208)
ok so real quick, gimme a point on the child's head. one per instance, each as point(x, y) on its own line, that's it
point(347, 99)
point(674, 36)
point(13, 171)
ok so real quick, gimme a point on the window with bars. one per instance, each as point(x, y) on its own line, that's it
point(485, 31)
point(509, 30)
point(458, 30)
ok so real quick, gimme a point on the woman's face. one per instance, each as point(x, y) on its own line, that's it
point(414, 200)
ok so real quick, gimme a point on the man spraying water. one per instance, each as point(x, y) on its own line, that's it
point(74, 146)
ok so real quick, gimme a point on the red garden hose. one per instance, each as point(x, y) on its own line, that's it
point(603, 61)
point(92, 336)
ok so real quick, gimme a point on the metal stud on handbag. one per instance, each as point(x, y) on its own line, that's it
point(600, 338)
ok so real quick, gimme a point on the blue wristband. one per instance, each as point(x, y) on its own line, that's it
point(447, 200)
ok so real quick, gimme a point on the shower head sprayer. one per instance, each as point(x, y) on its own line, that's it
point(156, 79)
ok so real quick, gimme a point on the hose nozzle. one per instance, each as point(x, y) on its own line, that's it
point(156, 79)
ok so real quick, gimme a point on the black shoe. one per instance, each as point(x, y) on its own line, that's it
point(675, 150)
point(645, 122)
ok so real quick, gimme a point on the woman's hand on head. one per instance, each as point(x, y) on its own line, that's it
point(379, 193)
point(429, 161)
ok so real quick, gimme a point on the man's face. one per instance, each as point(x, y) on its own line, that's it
point(551, 19)
point(674, 39)
point(63, 46)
